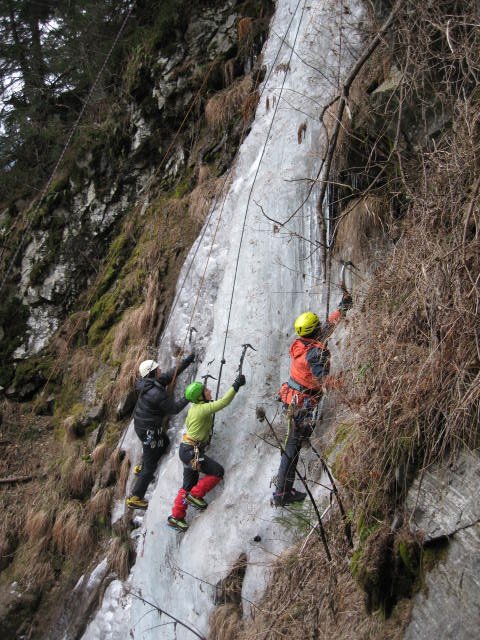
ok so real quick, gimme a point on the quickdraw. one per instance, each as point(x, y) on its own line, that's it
point(196, 460)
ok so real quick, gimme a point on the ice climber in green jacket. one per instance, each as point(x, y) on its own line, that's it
point(199, 424)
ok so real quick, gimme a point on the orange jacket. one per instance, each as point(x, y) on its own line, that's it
point(310, 363)
point(310, 358)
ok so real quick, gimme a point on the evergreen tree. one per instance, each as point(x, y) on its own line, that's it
point(50, 54)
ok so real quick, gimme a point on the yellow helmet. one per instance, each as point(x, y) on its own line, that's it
point(306, 323)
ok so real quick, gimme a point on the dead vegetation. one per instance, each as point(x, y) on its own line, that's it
point(404, 177)
point(225, 105)
point(123, 477)
point(120, 556)
point(204, 195)
point(415, 360)
point(361, 228)
point(309, 597)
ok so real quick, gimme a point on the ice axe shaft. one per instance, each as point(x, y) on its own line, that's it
point(242, 357)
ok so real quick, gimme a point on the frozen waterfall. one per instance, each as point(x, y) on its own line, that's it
point(279, 276)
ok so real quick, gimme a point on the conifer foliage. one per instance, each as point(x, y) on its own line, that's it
point(50, 53)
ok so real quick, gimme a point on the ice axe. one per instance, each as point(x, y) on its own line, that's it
point(245, 346)
point(205, 378)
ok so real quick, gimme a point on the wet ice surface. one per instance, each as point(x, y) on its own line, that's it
point(278, 277)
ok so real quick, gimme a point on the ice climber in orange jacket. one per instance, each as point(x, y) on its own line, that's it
point(309, 376)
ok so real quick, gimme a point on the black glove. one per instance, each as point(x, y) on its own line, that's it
point(346, 302)
point(189, 359)
point(239, 382)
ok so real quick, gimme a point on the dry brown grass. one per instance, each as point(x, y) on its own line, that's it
point(9, 535)
point(37, 524)
point(73, 327)
point(116, 458)
point(100, 455)
point(308, 597)
point(120, 557)
point(40, 573)
point(414, 349)
point(203, 197)
point(65, 526)
point(70, 429)
point(225, 622)
point(82, 363)
point(72, 533)
point(78, 478)
point(244, 28)
point(301, 131)
point(100, 503)
point(227, 104)
point(249, 106)
point(415, 360)
point(123, 477)
point(361, 228)
point(136, 323)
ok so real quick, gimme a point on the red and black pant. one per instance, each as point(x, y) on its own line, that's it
point(191, 483)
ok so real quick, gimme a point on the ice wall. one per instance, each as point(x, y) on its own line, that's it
point(276, 273)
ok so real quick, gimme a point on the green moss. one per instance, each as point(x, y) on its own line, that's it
point(364, 528)
point(182, 188)
point(34, 368)
point(362, 371)
point(431, 556)
point(13, 321)
point(356, 562)
point(117, 255)
point(67, 404)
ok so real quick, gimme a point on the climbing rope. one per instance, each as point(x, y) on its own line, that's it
point(222, 362)
point(202, 279)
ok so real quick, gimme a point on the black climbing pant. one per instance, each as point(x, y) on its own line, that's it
point(300, 423)
point(207, 465)
point(155, 443)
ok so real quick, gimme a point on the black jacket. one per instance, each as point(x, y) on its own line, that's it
point(153, 402)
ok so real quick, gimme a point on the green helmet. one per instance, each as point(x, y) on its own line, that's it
point(194, 392)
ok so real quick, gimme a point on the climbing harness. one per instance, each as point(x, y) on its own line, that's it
point(289, 395)
point(196, 461)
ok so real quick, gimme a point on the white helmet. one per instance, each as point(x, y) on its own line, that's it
point(146, 367)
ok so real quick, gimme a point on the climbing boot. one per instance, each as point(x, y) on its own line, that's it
point(137, 469)
point(177, 523)
point(136, 503)
point(288, 497)
point(198, 503)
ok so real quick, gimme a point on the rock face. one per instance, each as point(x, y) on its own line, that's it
point(445, 503)
point(81, 215)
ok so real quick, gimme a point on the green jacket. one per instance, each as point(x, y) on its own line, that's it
point(200, 416)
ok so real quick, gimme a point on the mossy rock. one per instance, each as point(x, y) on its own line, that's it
point(117, 255)
point(13, 321)
point(31, 375)
point(408, 564)
point(371, 566)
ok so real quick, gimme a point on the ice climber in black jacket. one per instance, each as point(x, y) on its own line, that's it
point(153, 404)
